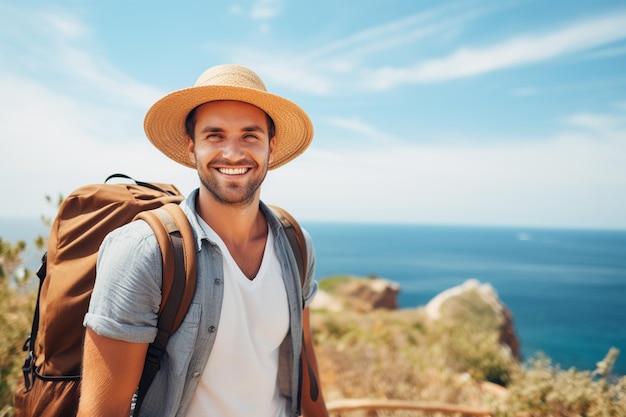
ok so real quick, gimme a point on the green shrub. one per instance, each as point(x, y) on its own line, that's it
point(17, 300)
point(330, 284)
point(546, 390)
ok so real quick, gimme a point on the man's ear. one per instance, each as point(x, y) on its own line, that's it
point(191, 147)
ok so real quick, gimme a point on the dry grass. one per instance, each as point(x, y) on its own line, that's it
point(402, 355)
point(395, 355)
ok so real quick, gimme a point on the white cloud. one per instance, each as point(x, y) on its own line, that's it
point(68, 116)
point(366, 133)
point(610, 126)
point(266, 9)
point(53, 143)
point(576, 178)
point(68, 26)
point(337, 66)
point(436, 22)
point(57, 49)
point(291, 73)
point(56, 137)
point(468, 62)
point(236, 9)
point(352, 63)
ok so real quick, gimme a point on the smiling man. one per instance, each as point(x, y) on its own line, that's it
point(237, 352)
point(230, 146)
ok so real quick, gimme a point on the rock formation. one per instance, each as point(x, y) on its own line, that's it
point(467, 299)
point(359, 294)
point(471, 300)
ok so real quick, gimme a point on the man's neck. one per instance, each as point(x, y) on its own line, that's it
point(235, 224)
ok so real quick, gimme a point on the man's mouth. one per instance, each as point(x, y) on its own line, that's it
point(233, 171)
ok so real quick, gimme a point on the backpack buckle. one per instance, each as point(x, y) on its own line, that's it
point(28, 370)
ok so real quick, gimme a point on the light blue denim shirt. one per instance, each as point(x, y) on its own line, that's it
point(127, 295)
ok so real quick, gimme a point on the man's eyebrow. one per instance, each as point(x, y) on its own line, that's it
point(253, 128)
point(215, 129)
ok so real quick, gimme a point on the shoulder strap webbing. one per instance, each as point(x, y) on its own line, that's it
point(141, 183)
point(28, 368)
point(296, 239)
point(178, 251)
point(298, 246)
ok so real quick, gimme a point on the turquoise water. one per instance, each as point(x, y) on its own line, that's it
point(565, 288)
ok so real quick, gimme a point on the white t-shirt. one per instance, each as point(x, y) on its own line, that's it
point(240, 378)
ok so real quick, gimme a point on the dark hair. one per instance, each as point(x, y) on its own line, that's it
point(190, 124)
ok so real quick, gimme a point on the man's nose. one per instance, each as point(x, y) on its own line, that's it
point(233, 150)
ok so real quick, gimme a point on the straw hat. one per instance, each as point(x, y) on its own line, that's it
point(165, 121)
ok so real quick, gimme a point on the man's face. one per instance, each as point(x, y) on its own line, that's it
point(231, 150)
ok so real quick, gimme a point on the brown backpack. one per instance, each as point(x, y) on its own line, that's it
point(52, 369)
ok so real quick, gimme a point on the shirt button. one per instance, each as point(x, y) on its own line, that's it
point(211, 329)
point(218, 281)
point(196, 374)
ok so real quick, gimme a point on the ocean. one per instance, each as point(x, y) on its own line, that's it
point(565, 288)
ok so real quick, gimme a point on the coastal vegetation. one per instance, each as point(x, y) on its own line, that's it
point(458, 359)
point(17, 302)
point(385, 355)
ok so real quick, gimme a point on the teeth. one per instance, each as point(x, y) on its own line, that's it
point(233, 171)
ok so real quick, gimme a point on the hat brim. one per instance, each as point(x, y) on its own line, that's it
point(164, 123)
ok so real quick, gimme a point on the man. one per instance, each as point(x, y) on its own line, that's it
point(237, 352)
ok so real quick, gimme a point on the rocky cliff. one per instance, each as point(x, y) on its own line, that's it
point(471, 301)
point(357, 294)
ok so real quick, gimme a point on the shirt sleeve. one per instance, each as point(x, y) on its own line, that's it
point(127, 291)
point(309, 289)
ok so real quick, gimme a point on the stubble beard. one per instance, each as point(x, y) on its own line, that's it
point(231, 193)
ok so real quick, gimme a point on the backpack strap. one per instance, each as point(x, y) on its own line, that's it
point(298, 246)
point(28, 369)
point(141, 183)
point(178, 252)
point(296, 239)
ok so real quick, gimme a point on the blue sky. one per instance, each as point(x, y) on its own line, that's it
point(504, 113)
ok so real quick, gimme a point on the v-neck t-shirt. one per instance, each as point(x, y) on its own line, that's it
point(240, 378)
